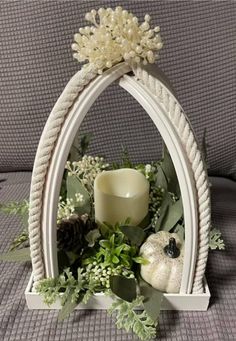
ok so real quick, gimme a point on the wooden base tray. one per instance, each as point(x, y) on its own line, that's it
point(191, 302)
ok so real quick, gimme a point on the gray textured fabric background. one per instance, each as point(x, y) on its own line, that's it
point(36, 63)
point(216, 324)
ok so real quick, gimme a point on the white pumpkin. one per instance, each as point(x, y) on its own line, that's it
point(165, 254)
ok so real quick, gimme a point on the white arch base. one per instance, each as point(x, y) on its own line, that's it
point(183, 302)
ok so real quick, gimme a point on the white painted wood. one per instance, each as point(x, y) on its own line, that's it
point(183, 170)
point(71, 125)
point(59, 158)
point(190, 302)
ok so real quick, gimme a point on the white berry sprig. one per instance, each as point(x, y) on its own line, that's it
point(115, 36)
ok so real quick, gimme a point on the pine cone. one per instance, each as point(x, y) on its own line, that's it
point(71, 232)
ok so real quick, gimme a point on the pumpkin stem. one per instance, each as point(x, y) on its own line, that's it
point(171, 250)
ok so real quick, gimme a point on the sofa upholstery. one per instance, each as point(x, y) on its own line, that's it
point(36, 63)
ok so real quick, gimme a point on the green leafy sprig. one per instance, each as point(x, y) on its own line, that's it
point(131, 319)
point(68, 289)
point(114, 251)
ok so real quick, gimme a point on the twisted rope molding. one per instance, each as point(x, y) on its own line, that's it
point(181, 124)
point(47, 144)
point(42, 160)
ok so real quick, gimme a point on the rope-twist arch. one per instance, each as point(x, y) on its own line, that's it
point(48, 142)
point(182, 125)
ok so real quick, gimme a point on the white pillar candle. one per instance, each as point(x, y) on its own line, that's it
point(121, 194)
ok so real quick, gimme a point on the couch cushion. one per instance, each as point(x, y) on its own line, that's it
point(36, 63)
point(217, 324)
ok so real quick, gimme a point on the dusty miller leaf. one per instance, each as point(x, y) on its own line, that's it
point(130, 319)
point(216, 242)
point(68, 307)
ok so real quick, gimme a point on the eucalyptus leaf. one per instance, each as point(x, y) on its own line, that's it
point(152, 299)
point(74, 186)
point(174, 214)
point(179, 229)
point(135, 234)
point(123, 287)
point(170, 173)
point(84, 143)
point(166, 202)
point(79, 147)
point(161, 178)
point(146, 222)
point(20, 255)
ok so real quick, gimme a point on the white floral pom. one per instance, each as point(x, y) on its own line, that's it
point(116, 36)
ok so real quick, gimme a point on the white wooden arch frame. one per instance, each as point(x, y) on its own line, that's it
point(58, 135)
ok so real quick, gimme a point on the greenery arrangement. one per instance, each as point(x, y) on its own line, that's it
point(95, 258)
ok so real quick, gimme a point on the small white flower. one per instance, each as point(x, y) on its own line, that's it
point(148, 168)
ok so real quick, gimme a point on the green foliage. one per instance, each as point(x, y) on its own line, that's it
point(68, 307)
point(179, 229)
point(20, 209)
point(92, 236)
point(15, 207)
point(135, 234)
point(74, 186)
point(114, 251)
point(216, 242)
point(79, 147)
point(161, 180)
point(170, 173)
point(22, 240)
point(124, 287)
point(152, 299)
point(170, 213)
point(21, 255)
point(125, 160)
point(173, 214)
point(70, 290)
point(129, 318)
